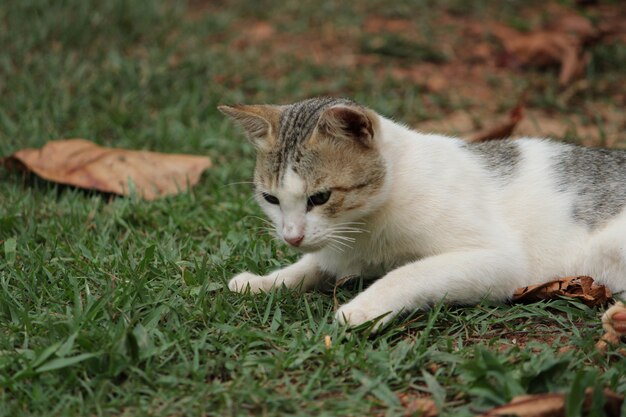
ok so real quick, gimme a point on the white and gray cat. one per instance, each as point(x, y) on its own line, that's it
point(432, 217)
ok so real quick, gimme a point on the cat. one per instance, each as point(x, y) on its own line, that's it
point(432, 217)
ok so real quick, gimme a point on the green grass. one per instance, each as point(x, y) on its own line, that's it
point(117, 306)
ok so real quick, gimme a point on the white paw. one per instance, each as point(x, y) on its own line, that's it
point(353, 314)
point(239, 283)
point(614, 319)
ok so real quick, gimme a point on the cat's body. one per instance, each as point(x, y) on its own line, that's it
point(433, 216)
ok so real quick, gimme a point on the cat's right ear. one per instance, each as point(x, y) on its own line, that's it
point(353, 123)
point(259, 121)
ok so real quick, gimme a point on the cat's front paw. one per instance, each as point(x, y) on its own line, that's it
point(353, 314)
point(240, 283)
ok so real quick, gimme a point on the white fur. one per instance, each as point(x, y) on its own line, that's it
point(446, 228)
point(293, 211)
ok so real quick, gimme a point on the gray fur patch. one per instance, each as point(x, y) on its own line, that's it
point(499, 156)
point(598, 177)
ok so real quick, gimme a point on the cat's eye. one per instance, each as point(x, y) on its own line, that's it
point(318, 199)
point(270, 198)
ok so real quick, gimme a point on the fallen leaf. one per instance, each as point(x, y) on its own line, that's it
point(84, 164)
point(539, 123)
point(553, 405)
point(502, 130)
point(581, 288)
point(543, 48)
point(542, 405)
point(576, 25)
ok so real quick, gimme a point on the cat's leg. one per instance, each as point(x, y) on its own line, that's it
point(304, 275)
point(460, 277)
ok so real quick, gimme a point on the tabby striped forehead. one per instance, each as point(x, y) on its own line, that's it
point(296, 124)
point(298, 120)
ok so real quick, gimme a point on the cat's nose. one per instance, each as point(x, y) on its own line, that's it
point(294, 241)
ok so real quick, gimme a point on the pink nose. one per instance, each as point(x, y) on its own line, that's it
point(295, 241)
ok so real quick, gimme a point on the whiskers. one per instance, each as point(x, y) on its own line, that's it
point(337, 239)
point(340, 237)
point(255, 192)
point(237, 183)
point(349, 227)
point(267, 227)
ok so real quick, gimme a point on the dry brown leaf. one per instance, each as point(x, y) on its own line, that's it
point(576, 25)
point(84, 164)
point(552, 405)
point(502, 130)
point(542, 405)
point(539, 123)
point(582, 288)
point(544, 48)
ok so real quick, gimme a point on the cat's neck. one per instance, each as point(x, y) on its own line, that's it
point(412, 159)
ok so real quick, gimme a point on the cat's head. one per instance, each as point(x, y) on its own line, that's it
point(318, 170)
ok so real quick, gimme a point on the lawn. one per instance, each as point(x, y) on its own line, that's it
point(118, 306)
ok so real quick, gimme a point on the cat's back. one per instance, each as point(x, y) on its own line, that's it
point(591, 181)
point(597, 177)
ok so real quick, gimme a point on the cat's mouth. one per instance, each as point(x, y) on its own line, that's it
point(308, 247)
point(314, 242)
point(318, 244)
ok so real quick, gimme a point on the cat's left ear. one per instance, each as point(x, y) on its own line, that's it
point(259, 121)
point(353, 123)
